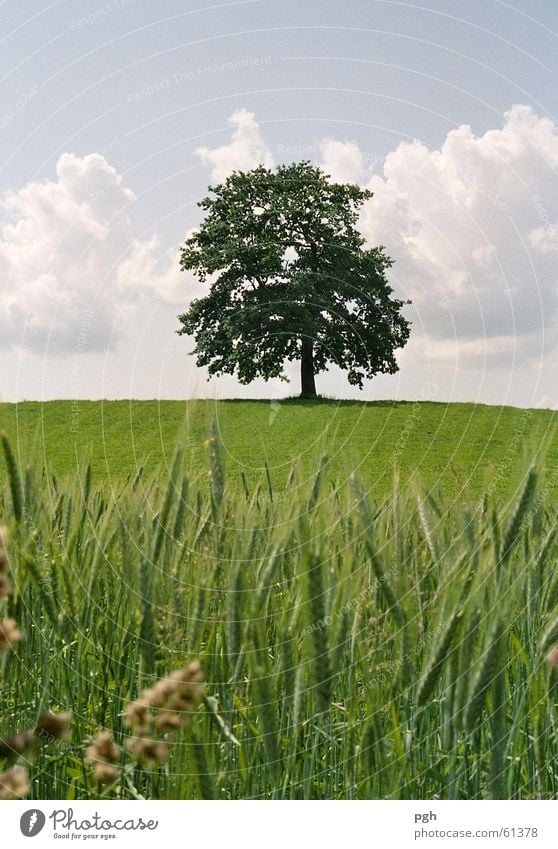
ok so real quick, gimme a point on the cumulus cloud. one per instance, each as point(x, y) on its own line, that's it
point(245, 151)
point(70, 265)
point(343, 161)
point(473, 229)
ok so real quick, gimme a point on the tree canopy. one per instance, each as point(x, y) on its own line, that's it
point(290, 279)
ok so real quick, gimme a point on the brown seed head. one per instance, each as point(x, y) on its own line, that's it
point(105, 773)
point(18, 744)
point(137, 714)
point(190, 674)
point(168, 720)
point(147, 750)
point(552, 658)
point(9, 635)
point(14, 784)
point(103, 748)
point(52, 727)
point(5, 586)
point(175, 698)
point(161, 693)
point(181, 691)
point(103, 754)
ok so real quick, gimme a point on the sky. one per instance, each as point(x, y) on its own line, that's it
point(115, 117)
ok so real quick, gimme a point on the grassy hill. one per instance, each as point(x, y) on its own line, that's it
point(463, 449)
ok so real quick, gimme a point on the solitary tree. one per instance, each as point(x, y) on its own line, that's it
point(289, 279)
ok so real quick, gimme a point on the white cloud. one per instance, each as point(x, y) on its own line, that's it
point(343, 161)
point(545, 239)
point(472, 229)
point(70, 265)
point(245, 151)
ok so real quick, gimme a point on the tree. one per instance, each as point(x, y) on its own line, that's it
point(290, 279)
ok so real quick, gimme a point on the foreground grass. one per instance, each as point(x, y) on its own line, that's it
point(463, 449)
point(351, 648)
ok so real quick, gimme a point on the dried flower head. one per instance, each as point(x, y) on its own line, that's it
point(103, 755)
point(9, 635)
point(174, 699)
point(168, 720)
point(52, 727)
point(14, 784)
point(137, 714)
point(105, 773)
point(161, 693)
point(18, 744)
point(5, 586)
point(552, 658)
point(178, 694)
point(148, 751)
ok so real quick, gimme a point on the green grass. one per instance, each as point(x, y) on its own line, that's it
point(360, 635)
point(461, 449)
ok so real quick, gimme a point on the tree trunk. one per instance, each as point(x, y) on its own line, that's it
point(308, 384)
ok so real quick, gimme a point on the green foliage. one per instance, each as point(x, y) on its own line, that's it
point(290, 279)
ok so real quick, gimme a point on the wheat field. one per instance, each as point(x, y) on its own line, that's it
point(349, 648)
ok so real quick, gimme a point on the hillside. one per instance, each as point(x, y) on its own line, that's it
point(462, 448)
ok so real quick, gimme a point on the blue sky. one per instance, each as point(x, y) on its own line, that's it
point(115, 116)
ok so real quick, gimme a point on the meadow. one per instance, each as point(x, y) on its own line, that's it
point(463, 450)
point(383, 631)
